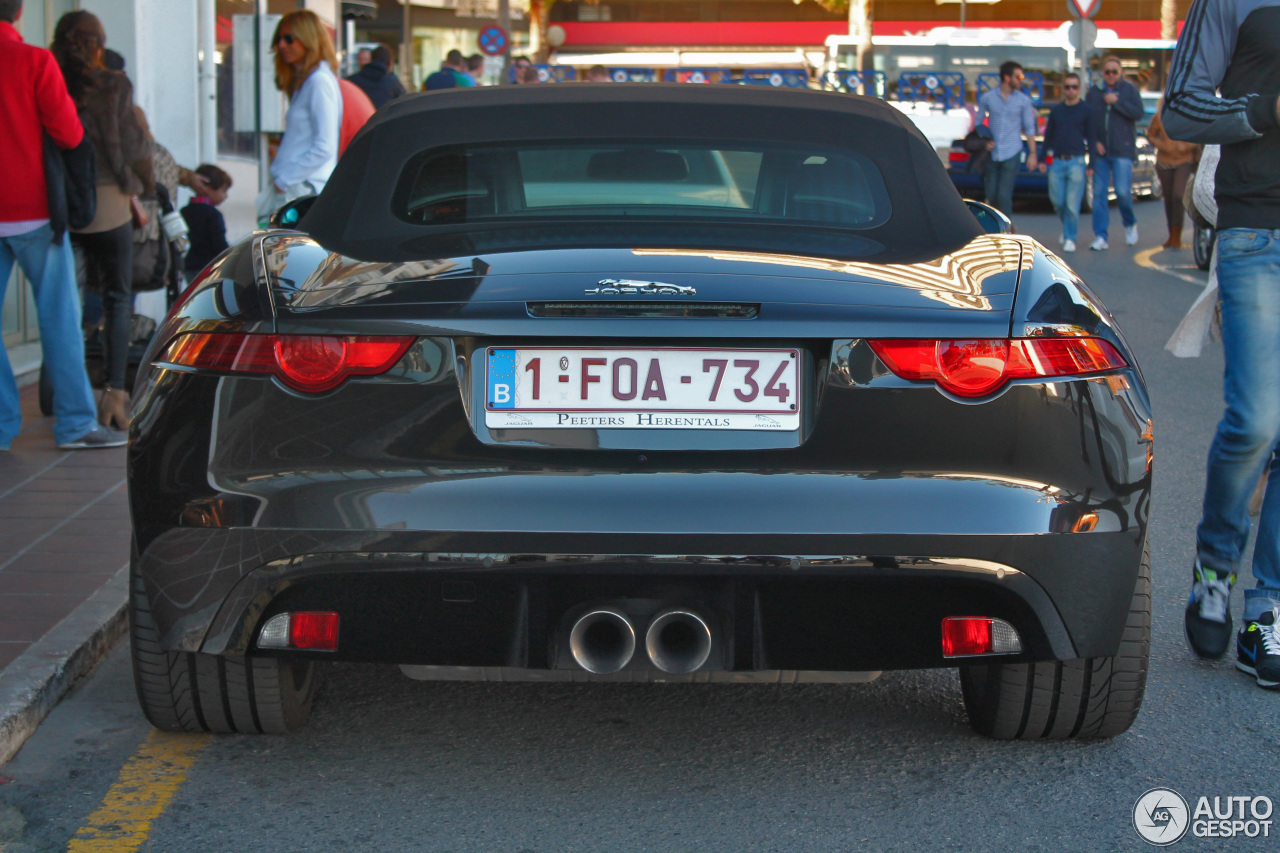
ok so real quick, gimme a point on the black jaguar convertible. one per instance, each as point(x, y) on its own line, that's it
point(641, 382)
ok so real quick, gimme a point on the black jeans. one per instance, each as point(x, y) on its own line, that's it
point(108, 259)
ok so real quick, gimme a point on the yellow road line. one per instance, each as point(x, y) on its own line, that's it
point(146, 784)
point(1143, 259)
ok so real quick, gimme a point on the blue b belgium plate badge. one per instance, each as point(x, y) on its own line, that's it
point(501, 384)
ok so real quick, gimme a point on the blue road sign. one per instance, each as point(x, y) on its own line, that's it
point(493, 40)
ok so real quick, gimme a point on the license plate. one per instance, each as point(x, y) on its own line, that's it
point(649, 388)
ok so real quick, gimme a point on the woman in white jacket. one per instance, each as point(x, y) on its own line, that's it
point(305, 66)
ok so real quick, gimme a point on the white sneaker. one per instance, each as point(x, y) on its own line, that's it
point(1131, 234)
point(1068, 245)
point(1062, 241)
point(1100, 244)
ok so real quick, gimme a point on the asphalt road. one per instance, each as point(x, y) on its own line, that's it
point(391, 764)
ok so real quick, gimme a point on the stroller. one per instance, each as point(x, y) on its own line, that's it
point(157, 266)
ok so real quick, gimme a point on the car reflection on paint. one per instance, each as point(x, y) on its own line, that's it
point(578, 384)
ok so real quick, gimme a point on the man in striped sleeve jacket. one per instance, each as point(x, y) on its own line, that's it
point(1224, 87)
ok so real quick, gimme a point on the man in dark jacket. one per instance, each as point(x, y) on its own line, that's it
point(34, 102)
point(376, 79)
point(1224, 87)
point(1116, 106)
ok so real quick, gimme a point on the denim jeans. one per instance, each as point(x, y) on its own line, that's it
point(1066, 191)
point(998, 180)
point(51, 272)
point(1105, 169)
point(1247, 437)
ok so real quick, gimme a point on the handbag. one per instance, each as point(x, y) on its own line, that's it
point(155, 259)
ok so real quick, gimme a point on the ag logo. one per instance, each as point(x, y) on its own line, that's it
point(1161, 816)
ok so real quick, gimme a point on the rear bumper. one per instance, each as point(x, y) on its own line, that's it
point(437, 599)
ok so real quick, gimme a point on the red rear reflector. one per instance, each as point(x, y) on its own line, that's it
point(314, 630)
point(978, 635)
point(305, 362)
point(976, 368)
point(965, 636)
point(958, 156)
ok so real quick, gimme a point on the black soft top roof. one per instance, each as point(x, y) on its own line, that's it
point(353, 215)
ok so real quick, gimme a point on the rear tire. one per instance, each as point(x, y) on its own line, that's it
point(192, 692)
point(1089, 698)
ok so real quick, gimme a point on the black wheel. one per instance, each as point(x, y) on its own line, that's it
point(1202, 240)
point(46, 393)
point(190, 692)
point(1090, 698)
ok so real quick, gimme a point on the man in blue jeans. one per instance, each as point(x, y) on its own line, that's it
point(1224, 87)
point(34, 102)
point(1115, 105)
point(1010, 115)
point(1066, 142)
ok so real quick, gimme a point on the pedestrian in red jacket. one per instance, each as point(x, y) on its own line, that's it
point(34, 102)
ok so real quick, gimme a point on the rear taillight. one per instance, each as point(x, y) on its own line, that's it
point(978, 635)
point(305, 362)
point(976, 368)
point(958, 156)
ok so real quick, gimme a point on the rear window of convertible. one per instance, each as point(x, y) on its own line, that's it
point(522, 181)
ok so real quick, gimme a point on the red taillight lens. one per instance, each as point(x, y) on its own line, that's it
point(976, 368)
point(958, 156)
point(316, 630)
point(306, 362)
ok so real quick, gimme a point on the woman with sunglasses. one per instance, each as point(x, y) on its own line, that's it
point(305, 71)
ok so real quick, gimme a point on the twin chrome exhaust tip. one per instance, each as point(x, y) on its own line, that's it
point(603, 641)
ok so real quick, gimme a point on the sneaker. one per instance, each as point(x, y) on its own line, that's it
point(1207, 620)
point(1062, 240)
point(1099, 244)
point(1068, 245)
point(1258, 648)
point(99, 436)
point(1131, 234)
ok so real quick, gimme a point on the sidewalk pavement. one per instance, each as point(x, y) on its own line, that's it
point(64, 552)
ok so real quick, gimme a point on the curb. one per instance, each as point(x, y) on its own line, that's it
point(38, 678)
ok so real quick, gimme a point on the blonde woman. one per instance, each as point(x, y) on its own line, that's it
point(305, 66)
